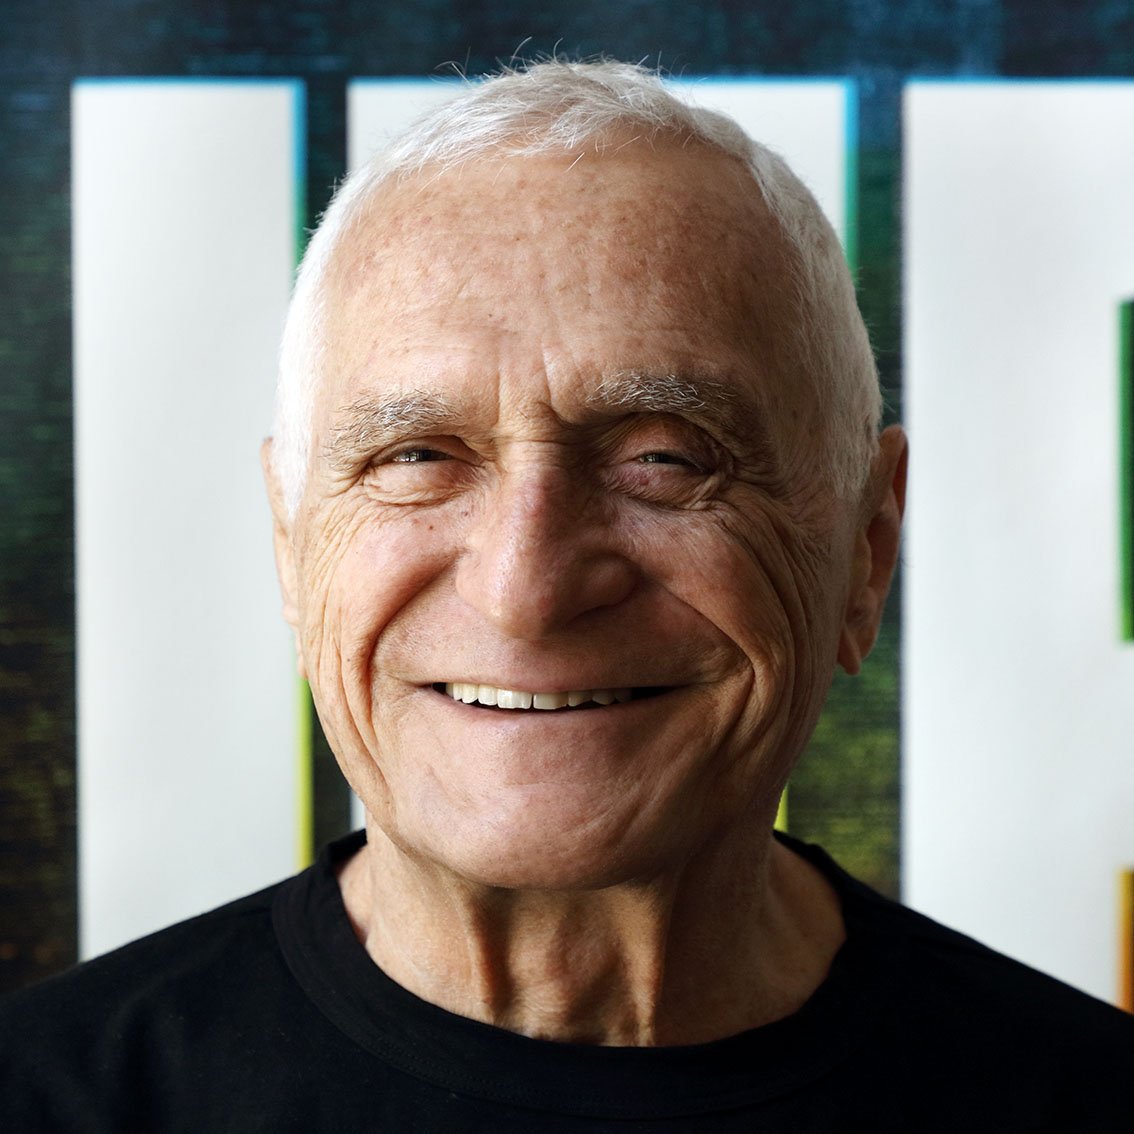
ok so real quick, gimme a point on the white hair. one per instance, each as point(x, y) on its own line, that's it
point(558, 106)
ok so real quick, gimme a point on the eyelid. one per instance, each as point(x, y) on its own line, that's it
point(674, 458)
point(669, 433)
point(686, 445)
point(443, 448)
point(403, 456)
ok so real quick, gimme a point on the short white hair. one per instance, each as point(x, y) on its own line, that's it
point(559, 106)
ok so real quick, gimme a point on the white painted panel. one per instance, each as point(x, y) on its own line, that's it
point(380, 109)
point(811, 123)
point(1018, 695)
point(185, 204)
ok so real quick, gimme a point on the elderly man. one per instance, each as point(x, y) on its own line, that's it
point(579, 500)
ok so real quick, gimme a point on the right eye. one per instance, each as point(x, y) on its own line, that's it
point(441, 467)
point(658, 457)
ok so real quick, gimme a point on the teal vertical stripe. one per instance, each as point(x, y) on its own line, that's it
point(850, 172)
point(299, 136)
point(1126, 466)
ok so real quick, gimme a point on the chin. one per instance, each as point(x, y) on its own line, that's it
point(536, 850)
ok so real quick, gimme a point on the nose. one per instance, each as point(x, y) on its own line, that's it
point(540, 553)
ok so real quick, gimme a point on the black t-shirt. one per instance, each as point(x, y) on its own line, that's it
point(268, 1015)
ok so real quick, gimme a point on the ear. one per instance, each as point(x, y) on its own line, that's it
point(875, 549)
point(285, 551)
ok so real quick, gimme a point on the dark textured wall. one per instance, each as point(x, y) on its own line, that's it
point(846, 793)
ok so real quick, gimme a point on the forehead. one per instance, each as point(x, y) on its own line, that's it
point(568, 267)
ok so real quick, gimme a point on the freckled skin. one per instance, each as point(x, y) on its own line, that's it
point(584, 278)
point(533, 544)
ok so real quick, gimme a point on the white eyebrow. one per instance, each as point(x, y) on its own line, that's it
point(719, 408)
point(368, 423)
point(660, 393)
point(722, 410)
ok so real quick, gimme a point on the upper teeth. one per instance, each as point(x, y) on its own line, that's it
point(519, 699)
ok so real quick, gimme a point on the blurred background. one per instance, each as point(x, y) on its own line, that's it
point(162, 163)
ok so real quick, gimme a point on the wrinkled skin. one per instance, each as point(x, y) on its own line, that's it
point(522, 531)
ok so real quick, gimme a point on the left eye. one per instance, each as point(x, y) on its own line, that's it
point(413, 456)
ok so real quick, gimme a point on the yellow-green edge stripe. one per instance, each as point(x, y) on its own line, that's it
point(304, 717)
point(782, 813)
point(1126, 940)
point(304, 796)
point(1126, 467)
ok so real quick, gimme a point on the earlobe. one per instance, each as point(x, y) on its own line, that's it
point(876, 550)
point(284, 550)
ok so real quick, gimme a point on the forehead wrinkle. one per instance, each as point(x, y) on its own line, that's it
point(373, 420)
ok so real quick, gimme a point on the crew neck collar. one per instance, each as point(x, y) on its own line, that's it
point(477, 1059)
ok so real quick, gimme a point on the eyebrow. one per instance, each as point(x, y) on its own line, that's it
point(634, 392)
point(718, 407)
point(373, 421)
point(370, 422)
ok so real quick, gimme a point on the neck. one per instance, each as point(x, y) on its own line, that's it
point(694, 955)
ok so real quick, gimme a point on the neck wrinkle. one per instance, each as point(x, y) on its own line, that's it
point(706, 952)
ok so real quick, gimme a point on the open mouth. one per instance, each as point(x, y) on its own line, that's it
point(492, 697)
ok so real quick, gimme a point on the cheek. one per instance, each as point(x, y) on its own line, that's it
point(738, 593)
point(764, 581)
point(726, 570)
point(795, 560)
point(357, 588)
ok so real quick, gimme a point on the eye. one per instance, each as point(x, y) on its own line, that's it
point(663, 458)
point(421, 471)
point(414, 456)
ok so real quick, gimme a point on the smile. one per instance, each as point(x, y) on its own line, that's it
point(492, 696)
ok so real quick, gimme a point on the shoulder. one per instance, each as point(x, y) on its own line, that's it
point(134, 1018)
point(1010, 1044)
point(950, 974)
point(994, 1042)
point(951, 970)
point(969, 1033)
point(164, 965)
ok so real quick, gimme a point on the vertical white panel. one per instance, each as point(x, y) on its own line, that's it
point(380, 109)
point(185, 206)
point(811, 123)
point(1019, 696)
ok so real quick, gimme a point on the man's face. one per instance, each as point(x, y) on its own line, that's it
point(556, 453)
